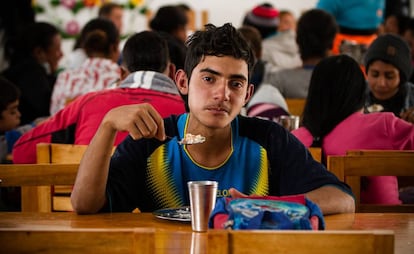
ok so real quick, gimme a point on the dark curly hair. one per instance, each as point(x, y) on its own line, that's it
point(217, 41)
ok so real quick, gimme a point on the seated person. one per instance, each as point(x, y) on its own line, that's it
point(150, 169)
point(9, 113)
point(388, 67)
point(333, 119)
point(147, 71)
point(98, 72)
point(314, 44)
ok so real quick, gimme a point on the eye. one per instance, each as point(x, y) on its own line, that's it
point(208, 79)
point(237, 83)
point(390, 76)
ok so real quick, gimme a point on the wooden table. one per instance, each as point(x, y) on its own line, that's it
point(143, 233)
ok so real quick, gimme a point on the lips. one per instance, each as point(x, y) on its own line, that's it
point(218, 109)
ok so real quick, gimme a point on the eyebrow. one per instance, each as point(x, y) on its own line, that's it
point(233, 76)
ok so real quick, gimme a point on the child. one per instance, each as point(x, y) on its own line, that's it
point(9, 113)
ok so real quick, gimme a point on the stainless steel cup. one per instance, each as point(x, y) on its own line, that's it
point(202, 201)
point(289, 122)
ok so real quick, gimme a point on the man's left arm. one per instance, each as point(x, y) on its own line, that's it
point(332, 200)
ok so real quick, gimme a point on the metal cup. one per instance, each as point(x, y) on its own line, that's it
point(202, 201)
point(289, 122)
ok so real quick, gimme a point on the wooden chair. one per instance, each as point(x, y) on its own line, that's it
point(58, 154)
point(296, 106)
point(310, 242)
point(350, 168)
point(316, 153)
point(39, 176)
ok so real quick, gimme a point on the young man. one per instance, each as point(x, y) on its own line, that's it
point(113, 12)
point(146, 60)
point(150, 169)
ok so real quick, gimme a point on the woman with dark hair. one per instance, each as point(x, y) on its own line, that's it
point(333, 119)
point(99, 70)
point(33, 68)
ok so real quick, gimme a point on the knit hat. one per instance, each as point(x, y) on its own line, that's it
point(391, 49)
point(263, 16)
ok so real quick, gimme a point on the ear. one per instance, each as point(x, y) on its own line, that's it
point(249, 93)
point(181, 81)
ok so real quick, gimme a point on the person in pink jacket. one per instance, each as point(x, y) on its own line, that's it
point(333, 120)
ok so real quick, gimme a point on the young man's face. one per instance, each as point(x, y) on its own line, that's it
point(383, 79)
point(10, 117)
point(217, 91)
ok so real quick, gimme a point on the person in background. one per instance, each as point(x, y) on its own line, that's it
point(149, 169)
point(98, 72)
point(33, 69)
point(9, 113)
point(388, 69)
point(314, 45)
point(334, 120)
point(172, 20)
point(279, 49)
point(252, 35)
point(287, 21)
point(14, 16)
point(408, 36)
point(110, 11)
point(146, 79)
point(113, 12)
point(358, 22)
point(394, 24)
point(266, 102)
point(263, 17)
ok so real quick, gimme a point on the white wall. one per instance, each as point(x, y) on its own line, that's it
point(219, 11)
point(233, 11)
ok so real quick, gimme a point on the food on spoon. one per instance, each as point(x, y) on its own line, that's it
point(191, 139)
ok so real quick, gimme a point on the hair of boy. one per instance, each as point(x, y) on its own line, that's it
point(9, 93)
point(311, 39)
point(217, 41)
point(145, 51)
point(98, 35)
point(337, 90)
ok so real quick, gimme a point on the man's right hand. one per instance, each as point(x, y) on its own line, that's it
point(140, 120)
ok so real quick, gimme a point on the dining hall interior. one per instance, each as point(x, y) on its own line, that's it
point(300, 111)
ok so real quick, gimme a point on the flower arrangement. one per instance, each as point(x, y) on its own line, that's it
point(70, 15)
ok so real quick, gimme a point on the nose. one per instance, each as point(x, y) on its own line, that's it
point(381, 81)
point(222, 91)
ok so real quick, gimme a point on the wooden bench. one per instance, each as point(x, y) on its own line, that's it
point(350, 168)
point(311, 242)
point(36, 181)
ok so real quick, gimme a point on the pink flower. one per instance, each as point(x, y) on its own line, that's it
point(72, 27)
point(68, 3)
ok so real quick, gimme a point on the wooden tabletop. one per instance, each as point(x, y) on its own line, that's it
point(123, 232)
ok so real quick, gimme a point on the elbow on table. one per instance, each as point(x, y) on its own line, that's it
point(80, 206)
